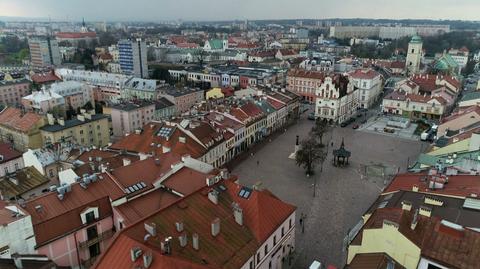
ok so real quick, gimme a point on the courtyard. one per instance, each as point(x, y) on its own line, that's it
point(342, 195)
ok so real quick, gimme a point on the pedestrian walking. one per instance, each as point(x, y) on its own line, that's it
point(258, 163)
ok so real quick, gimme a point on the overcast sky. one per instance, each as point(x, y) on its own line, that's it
point(158, 10)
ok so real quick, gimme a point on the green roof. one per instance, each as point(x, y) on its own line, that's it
point(216, 44)
point(416, 39)
point(470, 96)
point(446, 62)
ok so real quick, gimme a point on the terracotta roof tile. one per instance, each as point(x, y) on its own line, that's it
point(8, 153)
point(15, 119)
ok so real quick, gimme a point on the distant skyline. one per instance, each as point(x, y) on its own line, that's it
point(214, 10)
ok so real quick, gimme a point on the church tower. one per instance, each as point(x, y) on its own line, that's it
point(414, 55)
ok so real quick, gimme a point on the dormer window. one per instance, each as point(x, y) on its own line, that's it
point(90, 215)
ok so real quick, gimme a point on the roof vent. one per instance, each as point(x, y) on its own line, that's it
point(433, 201)
point(179, 226)
point(38, 208)
point(165, 246)
point(406, 205)
point(213, 196)
point(414, 220)
point(238, 213)
point(425, 211)
point(157, 161)
point(151, 228)
point(215, 227)
point(147, 259)
point(195, 242)
point(415, 188)
point(135, 252)
point(183, 240)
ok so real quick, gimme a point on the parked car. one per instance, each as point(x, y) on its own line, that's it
point(389, 130)
point(311, 116)
point(355, 126)
point(347, 122)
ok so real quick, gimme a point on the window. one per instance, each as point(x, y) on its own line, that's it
point(6, 170)
point(94, 250)
point(90, 217)
point(270, 265)
point(81, 131)
point(50, 172)
point(92, 232)
point(283, 231)
point(274, 240)
point(266, 249)
point(251, 264)
point(16, 166)
point(258, 257)
point(289, 223)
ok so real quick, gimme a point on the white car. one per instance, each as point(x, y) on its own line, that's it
point(315, 265)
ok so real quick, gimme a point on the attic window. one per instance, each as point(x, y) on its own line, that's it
point(245, 192)
point(89, 215)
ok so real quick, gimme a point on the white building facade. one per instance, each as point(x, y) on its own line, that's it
point(336, 99)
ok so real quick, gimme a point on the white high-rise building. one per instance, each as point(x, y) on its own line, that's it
point(133, 57)
point(44, 51)
point(414, 55)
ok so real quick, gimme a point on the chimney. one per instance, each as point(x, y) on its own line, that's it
point(17, 260)
point(151, 228)
point(215, 227)
point(126, 161)
point(135, 252)
point(238, 214)
point(147, 260)
point(179, 226)
point(81, 118)
point(415, 188)
point(157, 161)
point(165, 246)
point(213, 196)
point(406, 205)
point(88, 116)
point(425, 211)
point(50, 119)
point(183, 240)
point(61, 121)
point(414, 220)
point(195, 242)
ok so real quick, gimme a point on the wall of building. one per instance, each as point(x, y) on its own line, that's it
point(18, 236)
point(390, 241)
point(66, 251)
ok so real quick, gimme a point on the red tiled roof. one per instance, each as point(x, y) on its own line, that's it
point(438, 242)
point(459, 185)
point(276, 104)
point(8, 153)
point(76, 35)
point(149, 140)
point(186, 181)
point(15, 119)
point(364, 74)
point(461, 112)
point(109, 159)
point(187, 45)
point(41, 78)
point(288, 52)
point(59, 217)
point(252, 110)
point(306, 74)
point(231, 248)
point(425, 99)
point(240, 115)
point(262, 53)
point(145, 205)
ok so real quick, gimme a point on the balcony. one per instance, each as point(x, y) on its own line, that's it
point(100, 237)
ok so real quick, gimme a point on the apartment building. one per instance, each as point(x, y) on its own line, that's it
point(133, 57)
point(128, 117)
point(20, 129)
point(12, 91)
point(44, 51)
point(87, 129)
point(369, 84)
point(10, 159)
point(183, 98)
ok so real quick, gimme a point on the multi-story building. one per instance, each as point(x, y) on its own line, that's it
point(133, 57)
point(164, 109)
point(20, 129)
point(88, 129)
point(305, 83)
point(105, 86)
point(460, 56)
point(225, 214)
point(12, 91)
point(128, 117)
point(16, 231)
point(414, 106)
point(369, 84)
point(10, 159)
point(44, 52)
point(387, 32)
point(183, 98)
point(336, 99)
point(139, 88)
point(67, 95)
point(414, 55)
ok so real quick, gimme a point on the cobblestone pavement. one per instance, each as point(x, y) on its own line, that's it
point(342, 195)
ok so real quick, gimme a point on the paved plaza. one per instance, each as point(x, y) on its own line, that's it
point(378, 123)
point(342, 195)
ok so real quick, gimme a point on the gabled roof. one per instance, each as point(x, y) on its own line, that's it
point(41, 78)
point(15, 119)
point(155, 136)
point(21, 182)
point(53, 218)
point(231, 248)
point(364, 74)
point(8, 153)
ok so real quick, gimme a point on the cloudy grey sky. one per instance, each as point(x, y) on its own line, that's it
point(158, 10)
